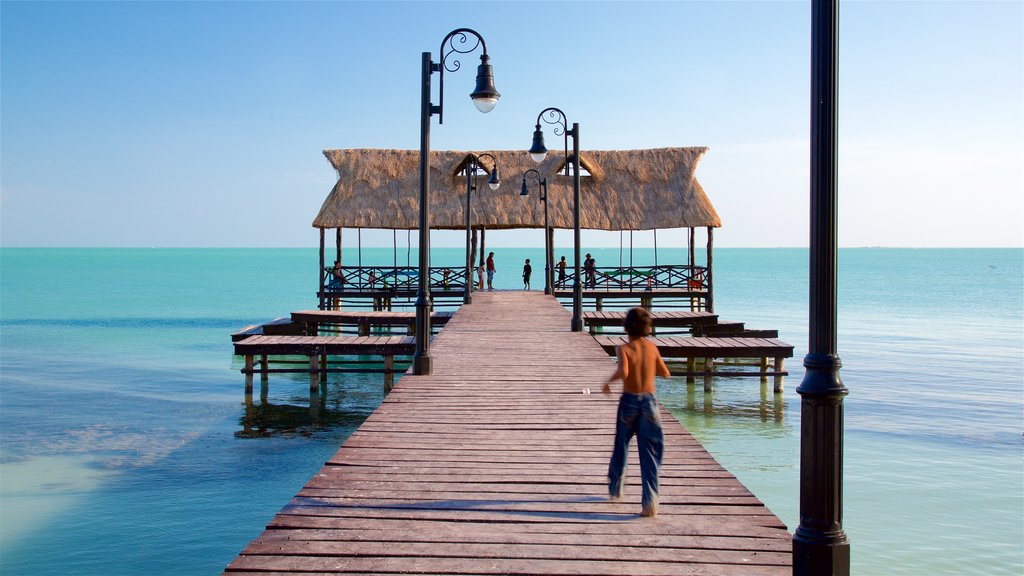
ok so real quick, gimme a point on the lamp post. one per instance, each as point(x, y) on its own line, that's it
point(485, 97)
point(494, 181)
point(543, 185)
point(537, 152)
point(820, 545)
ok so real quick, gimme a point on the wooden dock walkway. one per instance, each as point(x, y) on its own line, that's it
point(497, 464)
point(665, 319)
point(707, 349)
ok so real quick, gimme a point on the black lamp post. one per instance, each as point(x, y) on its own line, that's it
point(820, 545)
point(543, 184)
point(494, 181)
point(537, 152)
point(485, 97)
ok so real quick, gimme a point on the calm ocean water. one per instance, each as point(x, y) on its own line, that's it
point(126, 447)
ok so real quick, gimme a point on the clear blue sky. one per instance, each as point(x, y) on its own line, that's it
point(202, 124)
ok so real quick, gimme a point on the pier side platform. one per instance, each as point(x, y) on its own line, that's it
point(497, 464)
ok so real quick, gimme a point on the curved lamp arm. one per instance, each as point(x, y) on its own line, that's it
point(556, 117)
point(494, 180)
point(541, 182)
point(484, 96)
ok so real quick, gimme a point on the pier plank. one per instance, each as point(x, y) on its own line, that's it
point(497, 463)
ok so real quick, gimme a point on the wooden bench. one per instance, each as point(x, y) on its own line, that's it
point(669, 319)
point(711, 348)
point(364, 319)
point(276, 327)
point(730, 329)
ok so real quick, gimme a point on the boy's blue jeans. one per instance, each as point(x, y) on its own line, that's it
point(638, 415)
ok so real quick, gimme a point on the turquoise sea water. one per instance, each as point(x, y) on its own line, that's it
point(126, 447)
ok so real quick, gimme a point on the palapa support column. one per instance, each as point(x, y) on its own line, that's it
point(551, 252)
point(335, 303)
point(483, 237)
point(320, 271)
point(710, 300)
point(691, 253)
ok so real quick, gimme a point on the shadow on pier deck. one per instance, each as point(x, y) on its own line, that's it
point(497, 462)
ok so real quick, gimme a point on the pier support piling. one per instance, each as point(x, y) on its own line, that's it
point(389, 373)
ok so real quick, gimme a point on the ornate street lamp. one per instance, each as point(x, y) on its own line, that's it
point(525, 191)
point(537, 152)
point(485, 97)
point(820, 545)
point(494, 181)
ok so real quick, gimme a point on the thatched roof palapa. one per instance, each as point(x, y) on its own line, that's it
point(626, 190)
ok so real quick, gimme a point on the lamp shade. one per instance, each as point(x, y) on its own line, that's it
point(495, 180)
point(537, 150)
point(485, 96)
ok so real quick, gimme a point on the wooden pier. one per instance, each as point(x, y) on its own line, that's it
point(497, 463)
point(708, 349)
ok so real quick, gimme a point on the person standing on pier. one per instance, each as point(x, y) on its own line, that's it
point(590, 272)
point(639, 362)
point(561, 272)
point(527, 270)
point(490, 271)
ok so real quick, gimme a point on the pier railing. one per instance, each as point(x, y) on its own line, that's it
point(398, 279)
point(401, 279)
point(640, 279)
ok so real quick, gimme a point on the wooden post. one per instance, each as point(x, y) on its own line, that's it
point(320, 271)
point(690, 249)
point(389, 375)
point(598, 303)
point(691, 369)
point(335, 303)
point(337, 244)
point(314, 371)
point(551, 257)
point(779, 362)
point(764, 369)
point(364, 327)
point(482, 237)
point(709, 369)
point(710, 306)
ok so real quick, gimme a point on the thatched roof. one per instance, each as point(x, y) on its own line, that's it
point(626, 190)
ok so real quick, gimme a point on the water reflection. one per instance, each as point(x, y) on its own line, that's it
point(324, 409)
point(769, 406)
